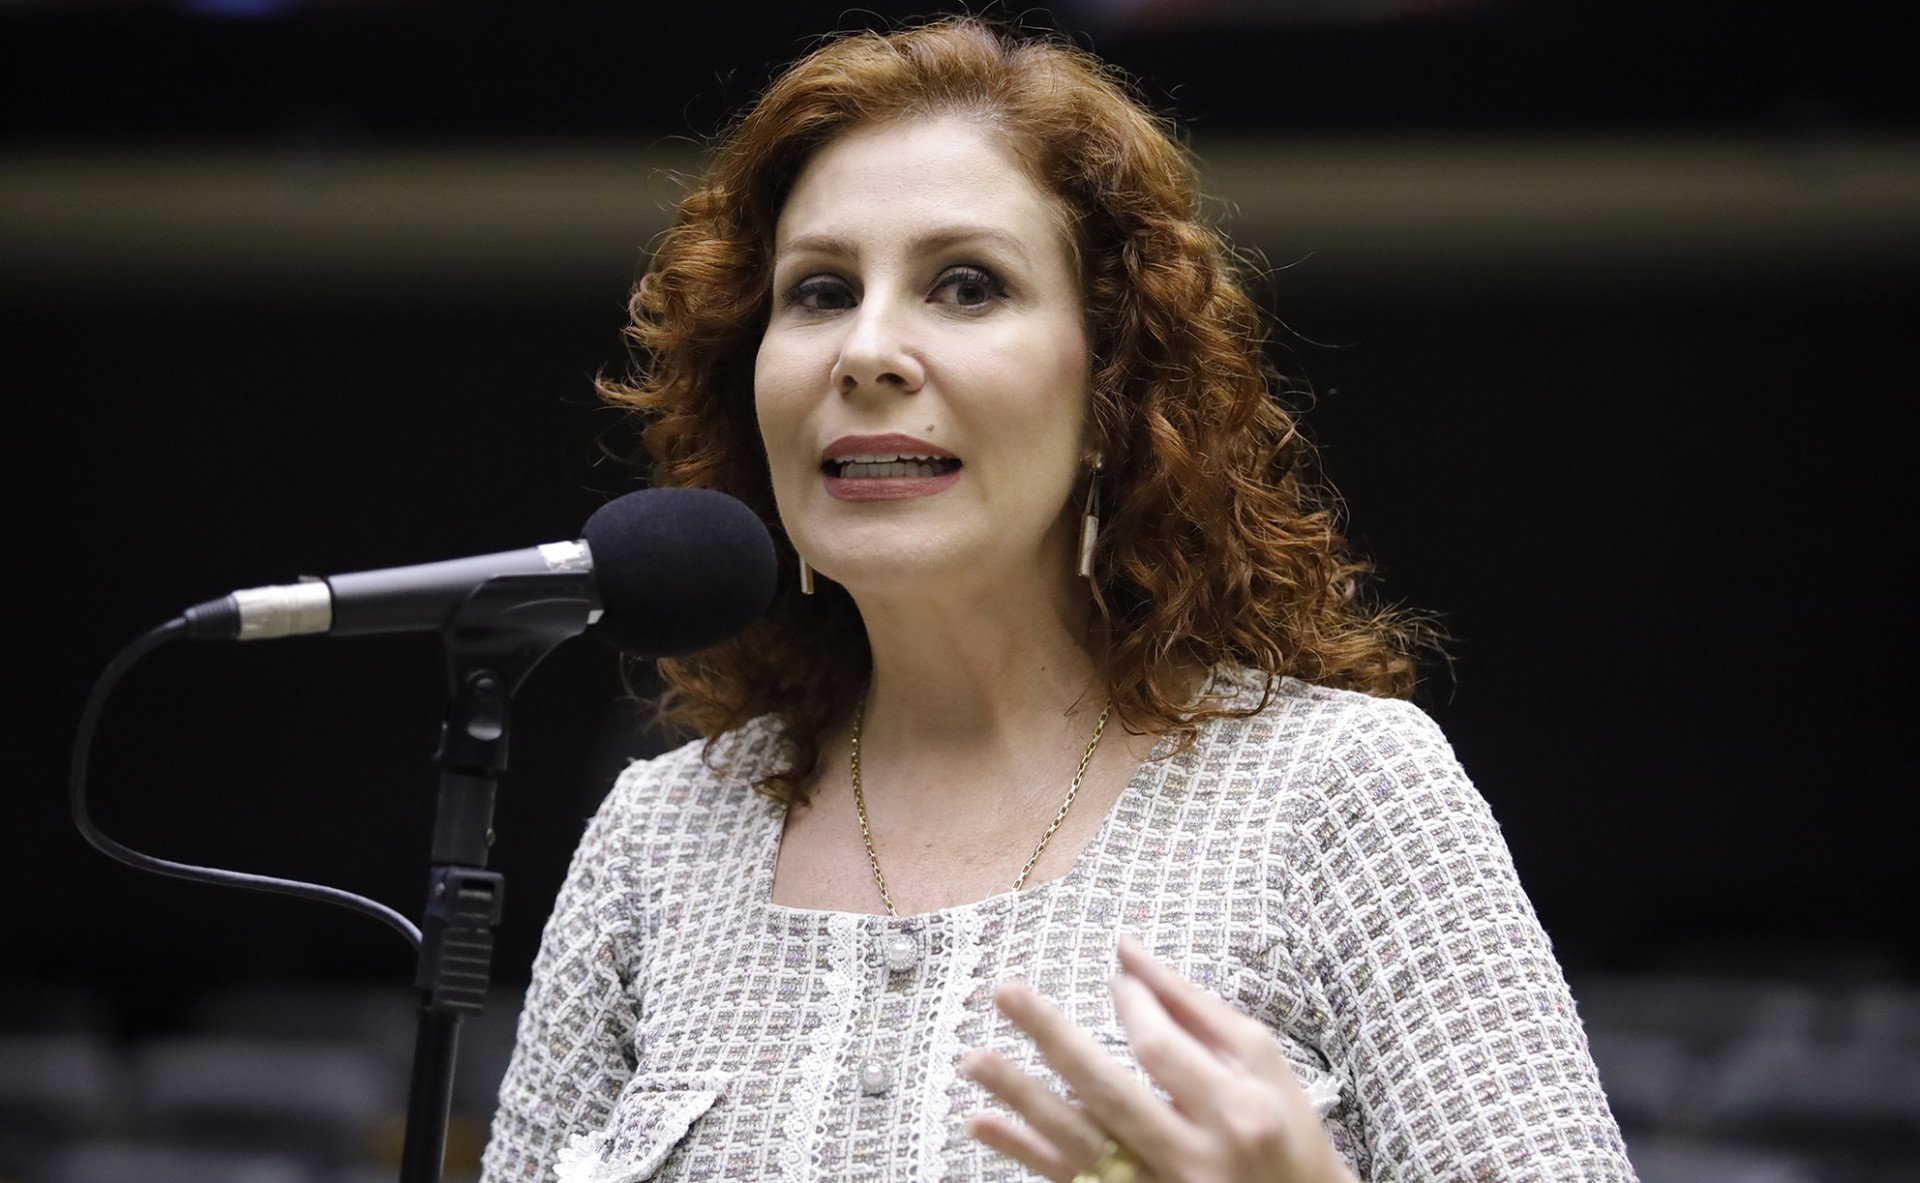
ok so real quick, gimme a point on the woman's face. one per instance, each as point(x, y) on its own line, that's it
point(922, 384)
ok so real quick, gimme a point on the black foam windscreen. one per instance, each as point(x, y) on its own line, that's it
point(678, 570)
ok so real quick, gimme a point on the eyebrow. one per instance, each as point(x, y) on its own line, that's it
point(933, 240)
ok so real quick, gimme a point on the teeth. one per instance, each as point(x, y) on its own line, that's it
point(863, 469)
point(873, 465)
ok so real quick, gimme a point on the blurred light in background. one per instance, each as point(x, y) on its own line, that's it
point(1173, 14)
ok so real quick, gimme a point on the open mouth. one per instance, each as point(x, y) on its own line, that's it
point(881, 466)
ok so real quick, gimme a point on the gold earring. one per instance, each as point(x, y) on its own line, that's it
point(806, 578)
point(1090, 520)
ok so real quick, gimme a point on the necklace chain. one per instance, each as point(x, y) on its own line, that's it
point(1033, 860)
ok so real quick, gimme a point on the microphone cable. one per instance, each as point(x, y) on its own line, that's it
point(77, 796)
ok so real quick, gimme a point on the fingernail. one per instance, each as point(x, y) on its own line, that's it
point(969, 1063)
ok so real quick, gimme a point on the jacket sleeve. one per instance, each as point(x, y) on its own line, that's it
point(574, 1050)
point(1466, 1057)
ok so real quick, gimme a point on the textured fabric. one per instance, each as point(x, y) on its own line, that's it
point(1324, 865)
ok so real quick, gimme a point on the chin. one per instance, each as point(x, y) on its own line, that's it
point(904, 558)
point(926, 554)
point(894, 571)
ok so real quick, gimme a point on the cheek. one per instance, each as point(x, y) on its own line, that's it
point(1063, 360)
point(776, 406)
point(1041, 371)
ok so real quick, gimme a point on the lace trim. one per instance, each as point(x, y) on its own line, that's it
point(645, 1127)
point(582, 1159)
point(1323, 1094)
point(819, 1068)
point(943, 1067)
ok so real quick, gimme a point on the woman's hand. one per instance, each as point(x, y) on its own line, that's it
point(1238, 1115)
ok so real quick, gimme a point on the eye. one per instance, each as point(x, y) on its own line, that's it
point(968, 287)
point(821, 293)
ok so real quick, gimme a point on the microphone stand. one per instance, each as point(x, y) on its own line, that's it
point(493, 640)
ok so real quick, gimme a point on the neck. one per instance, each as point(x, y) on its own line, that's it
point(949, 675)
point(982, 668)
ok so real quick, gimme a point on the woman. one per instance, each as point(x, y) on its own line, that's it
point(1069, 676)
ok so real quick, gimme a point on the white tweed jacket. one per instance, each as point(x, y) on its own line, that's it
point(1324, 865)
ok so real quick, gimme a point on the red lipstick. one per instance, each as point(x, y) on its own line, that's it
point(868, 468)
point(893, 443)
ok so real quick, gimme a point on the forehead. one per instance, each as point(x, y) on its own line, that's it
point(908, 177)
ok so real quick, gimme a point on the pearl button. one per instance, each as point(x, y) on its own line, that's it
point(874, 1077)
point(900, 951)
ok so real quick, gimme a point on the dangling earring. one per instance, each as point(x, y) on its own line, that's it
point(806, 578)
point(1090, 521)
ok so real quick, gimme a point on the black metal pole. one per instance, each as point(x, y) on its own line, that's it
point(456, 958)
point(430, 1096)
point(494, 640)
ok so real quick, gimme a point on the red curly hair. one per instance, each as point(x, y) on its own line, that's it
point(1215, 545)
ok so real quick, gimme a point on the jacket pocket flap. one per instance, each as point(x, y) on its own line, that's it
point(649, 1120)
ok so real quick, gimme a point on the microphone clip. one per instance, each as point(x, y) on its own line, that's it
point(493, 640)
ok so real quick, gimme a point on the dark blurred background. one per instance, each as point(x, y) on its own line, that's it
point(1606, 311)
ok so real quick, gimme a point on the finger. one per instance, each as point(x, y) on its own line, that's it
point(1115, 1099)
point(1210, 1020)
point(1264, 1120)
point(1023, 1145)
point(1049, 1114)
point(1188, 1069)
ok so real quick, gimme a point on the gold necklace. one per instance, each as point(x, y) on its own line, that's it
point(866, 830)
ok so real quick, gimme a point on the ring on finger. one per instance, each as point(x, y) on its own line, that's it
point(1114, 1165)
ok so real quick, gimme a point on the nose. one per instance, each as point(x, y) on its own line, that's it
point(876, 353)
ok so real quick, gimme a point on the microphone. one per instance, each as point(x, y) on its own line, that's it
point(671, 571)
